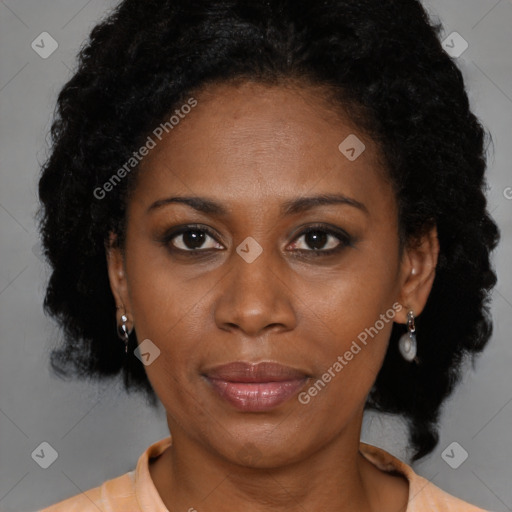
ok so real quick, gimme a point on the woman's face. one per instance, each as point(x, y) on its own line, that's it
point(244, 283)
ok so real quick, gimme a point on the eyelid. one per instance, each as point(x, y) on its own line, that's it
point(344, 238)
point(173, 233)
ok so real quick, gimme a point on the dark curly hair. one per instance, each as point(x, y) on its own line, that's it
point(382, 62)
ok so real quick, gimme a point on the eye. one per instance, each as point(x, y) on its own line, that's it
point(198, 239)
point(191, 239)
point(323, 240)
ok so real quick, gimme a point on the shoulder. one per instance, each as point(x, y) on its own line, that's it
point(435, 498)
point(132, 492)
point(116, 494)
point(423, 494)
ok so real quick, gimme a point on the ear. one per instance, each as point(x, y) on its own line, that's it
point(117, 276)
point(418, 271)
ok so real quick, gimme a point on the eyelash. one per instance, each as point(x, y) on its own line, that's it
point(345, 240)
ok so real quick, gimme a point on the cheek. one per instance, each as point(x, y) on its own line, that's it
point(346, 352)
point(349, 319)
point(349, 298)
point(350, 334)
point(173, 310)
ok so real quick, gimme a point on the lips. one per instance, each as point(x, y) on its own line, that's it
point(255, 387)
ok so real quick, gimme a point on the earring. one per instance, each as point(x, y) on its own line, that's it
point(407, 343)
point(122, 330)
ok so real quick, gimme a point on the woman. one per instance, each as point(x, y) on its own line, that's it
point(281, 204)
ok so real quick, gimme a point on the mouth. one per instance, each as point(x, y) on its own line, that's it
point(257, 387)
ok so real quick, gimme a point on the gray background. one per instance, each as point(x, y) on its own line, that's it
point(97, 430)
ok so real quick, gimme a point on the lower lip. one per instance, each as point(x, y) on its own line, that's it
point(256, 396)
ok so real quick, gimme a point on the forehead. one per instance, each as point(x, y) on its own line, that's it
point(253, 142)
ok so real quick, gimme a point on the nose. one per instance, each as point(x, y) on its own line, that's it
point(254, 297)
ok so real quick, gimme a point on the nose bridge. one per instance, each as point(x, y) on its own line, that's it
point(254, 296)
point(255, 278)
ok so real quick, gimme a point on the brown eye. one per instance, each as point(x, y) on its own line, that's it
point(323, 240)
point(191, 239)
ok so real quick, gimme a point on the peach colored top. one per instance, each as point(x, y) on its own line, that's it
point(135, 492)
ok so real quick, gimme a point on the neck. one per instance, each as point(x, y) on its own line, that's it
point(334, 477)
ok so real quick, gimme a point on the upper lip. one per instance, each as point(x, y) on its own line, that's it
point(241, 371)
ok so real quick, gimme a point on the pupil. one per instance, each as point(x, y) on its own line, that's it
point(193, 239)
point(315, 240)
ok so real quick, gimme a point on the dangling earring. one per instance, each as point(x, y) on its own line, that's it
point(122, 330)
point(407, 343)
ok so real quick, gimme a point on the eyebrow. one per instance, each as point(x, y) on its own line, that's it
point(289, 207)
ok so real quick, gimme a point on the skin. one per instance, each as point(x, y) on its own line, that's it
point(251, 147)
